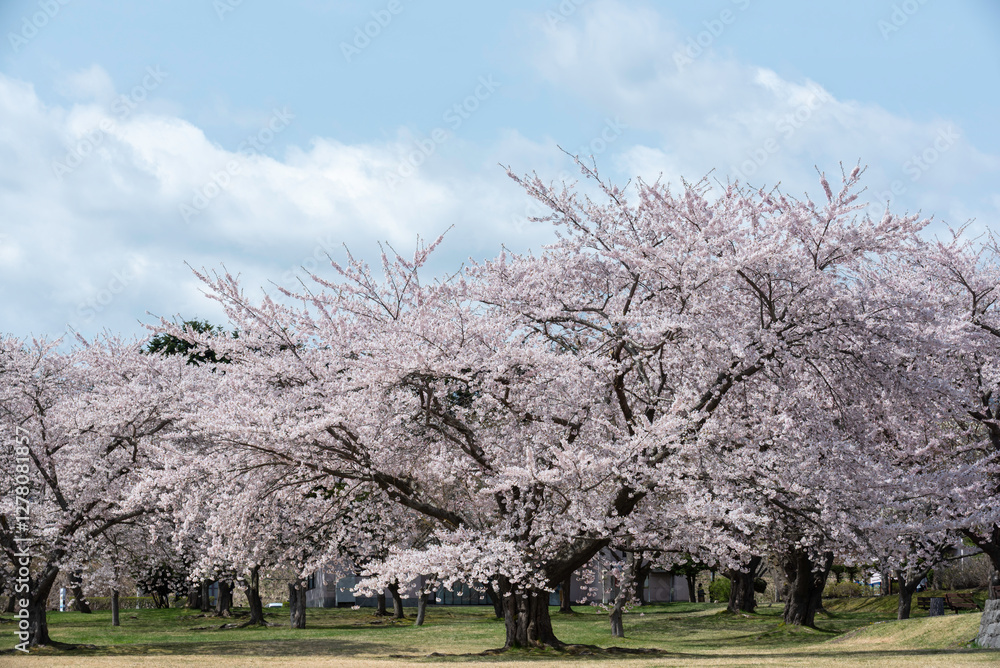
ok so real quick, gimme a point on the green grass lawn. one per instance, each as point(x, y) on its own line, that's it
point(851, 633)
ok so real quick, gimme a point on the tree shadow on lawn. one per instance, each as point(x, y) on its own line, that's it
point(263, 647)
point(918, 657)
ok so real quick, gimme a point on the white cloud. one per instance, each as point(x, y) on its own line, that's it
point(104, 240)
point(94, 235)
point(92, 83)
point(706, 111)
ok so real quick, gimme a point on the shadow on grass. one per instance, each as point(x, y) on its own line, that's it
point(269, 647)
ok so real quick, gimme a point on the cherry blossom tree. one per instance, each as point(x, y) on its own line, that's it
point(89, 419)
point(962, 279)
point(538, 407)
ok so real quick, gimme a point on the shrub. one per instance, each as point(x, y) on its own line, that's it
point(844, 590)
point(760, 585)
point(968, 573)
point(719, 588)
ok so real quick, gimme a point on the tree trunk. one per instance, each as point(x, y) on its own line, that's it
point(80, 603)
point(565, 602)
point(224, 603)
point(496, 600)
point(692, 594)
point(297, 604)
point(625, 595)
point(252, 591)
point(193, 597)
point(741, 593)
point(805, 592)
point(397, 601)
point(885, 589)
point(421, 608)
point(37, 632)
point(161, 598)
point(11, 600)
point(905, 601)
point(115, 619)
point(380, 604)
point(907, 587)
point(641, 573)
point(206, 598)
point(617, 626)
point(988, 542)
point(526, 618)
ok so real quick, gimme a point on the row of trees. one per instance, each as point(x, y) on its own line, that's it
point(704, 376)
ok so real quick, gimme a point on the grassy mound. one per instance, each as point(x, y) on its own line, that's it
point(945, 632)
point(887, 605)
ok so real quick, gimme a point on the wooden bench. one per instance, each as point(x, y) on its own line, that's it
point(923, 602)
point(959, 602)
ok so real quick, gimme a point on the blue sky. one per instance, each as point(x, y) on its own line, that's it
point(137, 137)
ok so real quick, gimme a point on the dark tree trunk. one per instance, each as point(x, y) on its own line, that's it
point(297, 604)
point(741, 593)
point(526, 618)
point(161, 597)
point(38, 625)
point(805, 592)
point(11, 600)
point(224, 603)
point(80, 603)
point(565, 602)
point(397, 601)
point(115, 617)
point(193, 597)
point(989, 542)
point(206, 598)
point(380, 604)
point(692, 594)
point(641, 573)
point(495, 599)
point(37, 632)
point(421, 608)
point(252, 591)
point(907, 587)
